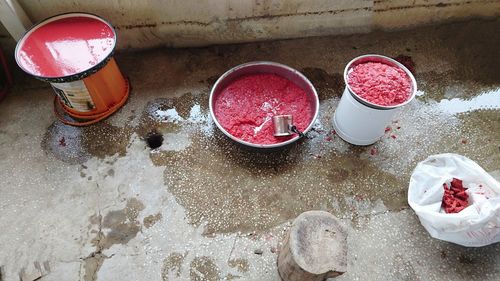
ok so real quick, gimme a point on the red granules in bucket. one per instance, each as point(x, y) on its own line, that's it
point(380, 83)
point(455, 198)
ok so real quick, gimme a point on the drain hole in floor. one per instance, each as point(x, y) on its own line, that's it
point(154, 140)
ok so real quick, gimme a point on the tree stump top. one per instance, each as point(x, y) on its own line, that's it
point(318, 242)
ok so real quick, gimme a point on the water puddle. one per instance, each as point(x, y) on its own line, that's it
point(228, 188)
point(485, 101)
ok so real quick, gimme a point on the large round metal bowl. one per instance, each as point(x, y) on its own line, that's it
point(263, 67)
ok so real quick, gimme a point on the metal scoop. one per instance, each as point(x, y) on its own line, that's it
point(283, 126)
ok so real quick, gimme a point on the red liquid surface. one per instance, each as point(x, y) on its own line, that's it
point(380, 83)
point(246, 106)
point(66, 46)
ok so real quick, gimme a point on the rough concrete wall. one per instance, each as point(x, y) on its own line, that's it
point(405, 13)
point(150, 23)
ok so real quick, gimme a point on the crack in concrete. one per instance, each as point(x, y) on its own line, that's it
point(248, 18)
point(93, 262)
point(232, 249)
point(372, 215)
point(92, 265)
point(123, 225)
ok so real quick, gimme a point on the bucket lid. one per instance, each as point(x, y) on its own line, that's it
point(66, 47)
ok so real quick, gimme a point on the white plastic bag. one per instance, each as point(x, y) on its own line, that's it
point(475, 226)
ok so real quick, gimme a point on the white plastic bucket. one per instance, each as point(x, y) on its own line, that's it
point(358, 121)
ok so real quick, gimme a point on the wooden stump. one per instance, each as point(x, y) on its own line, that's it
point(315, 248)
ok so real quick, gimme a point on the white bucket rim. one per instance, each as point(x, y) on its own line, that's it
point(389, 61)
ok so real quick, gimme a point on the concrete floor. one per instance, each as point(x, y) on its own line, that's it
point(96, 203)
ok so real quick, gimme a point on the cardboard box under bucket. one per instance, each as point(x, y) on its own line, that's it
point(74, 53)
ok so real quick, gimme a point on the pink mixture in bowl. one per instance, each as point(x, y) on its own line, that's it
point(245, 107)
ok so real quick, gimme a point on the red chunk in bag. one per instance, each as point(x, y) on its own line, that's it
point(455, 199)
point(456, 183)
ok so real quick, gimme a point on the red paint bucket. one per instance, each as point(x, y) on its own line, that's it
point(74, 53)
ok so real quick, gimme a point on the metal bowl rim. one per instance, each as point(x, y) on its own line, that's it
point(254, 63)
